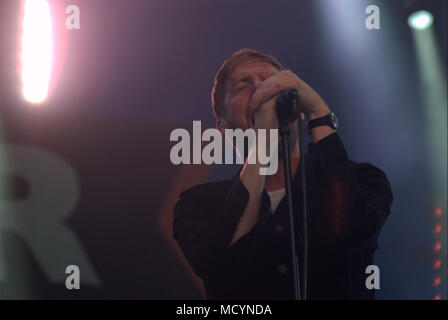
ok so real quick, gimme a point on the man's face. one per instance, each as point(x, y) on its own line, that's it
point(240, 87)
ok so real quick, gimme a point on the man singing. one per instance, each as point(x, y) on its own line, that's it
point(235, 233)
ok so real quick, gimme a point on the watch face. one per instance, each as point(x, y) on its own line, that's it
point(334, 120)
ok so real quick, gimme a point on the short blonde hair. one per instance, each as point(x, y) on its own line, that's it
point(219, 87)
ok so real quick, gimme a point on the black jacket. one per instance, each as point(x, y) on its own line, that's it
point(348, 203)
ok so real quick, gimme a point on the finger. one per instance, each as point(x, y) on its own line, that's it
point(268, 89)
point(250, 115)
point(274, 85)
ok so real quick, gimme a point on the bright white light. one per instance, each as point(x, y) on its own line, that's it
point(37, 50)
point(420, 20)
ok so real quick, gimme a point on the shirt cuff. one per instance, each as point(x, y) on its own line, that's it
point(329, 152)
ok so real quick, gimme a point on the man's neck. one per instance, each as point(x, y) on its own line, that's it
point(277, 180)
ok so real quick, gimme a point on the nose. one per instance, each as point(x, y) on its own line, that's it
point(257, 83)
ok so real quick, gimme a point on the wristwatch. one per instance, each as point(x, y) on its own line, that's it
point(328, 120)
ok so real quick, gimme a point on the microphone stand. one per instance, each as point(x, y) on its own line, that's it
point(285, 105)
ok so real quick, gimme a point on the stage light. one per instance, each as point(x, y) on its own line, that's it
point(420, 20)
point(432, 87)
point(37, 47)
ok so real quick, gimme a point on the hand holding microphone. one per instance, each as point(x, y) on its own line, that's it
point(287, 106)
point(279, 89)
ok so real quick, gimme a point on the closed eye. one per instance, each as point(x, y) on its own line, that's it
point(240, 88)
point(242, 83)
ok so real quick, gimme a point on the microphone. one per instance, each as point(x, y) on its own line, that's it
point(286, 104)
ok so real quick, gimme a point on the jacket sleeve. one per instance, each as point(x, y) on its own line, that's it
point(355, 198)
point(203, 229)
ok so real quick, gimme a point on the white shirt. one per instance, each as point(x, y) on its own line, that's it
point(275, 197)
